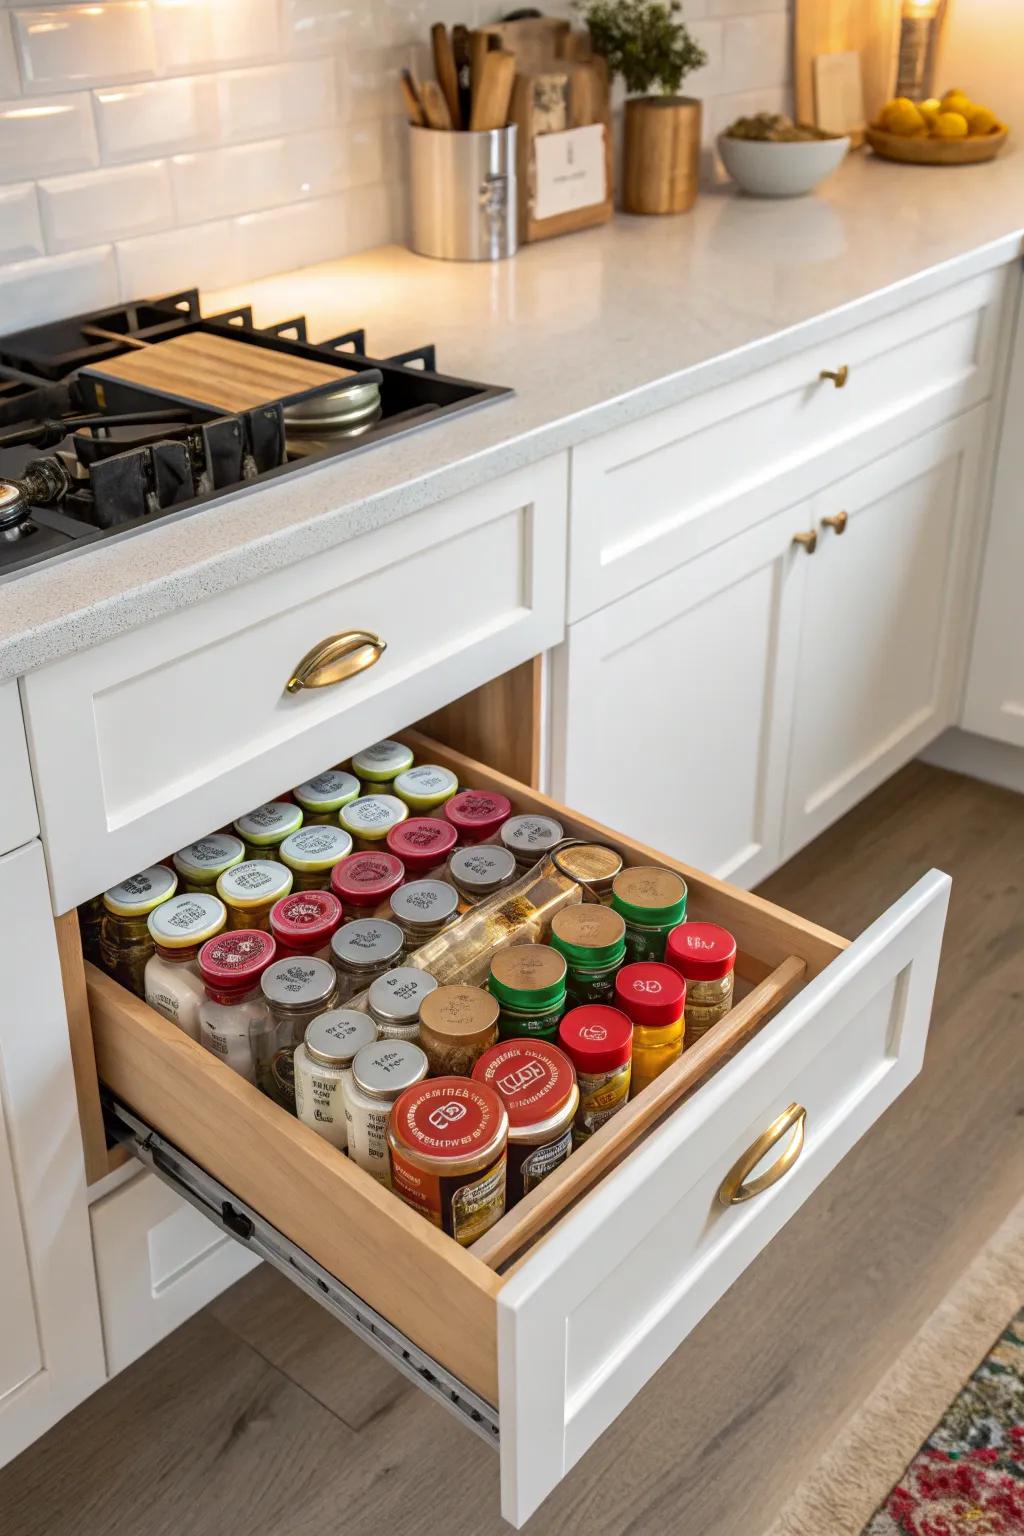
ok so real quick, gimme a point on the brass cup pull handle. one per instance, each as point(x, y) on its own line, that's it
point(334, 659)
point(838, 521)
point(807, 541)
point(738, 1186)
point(838, 376)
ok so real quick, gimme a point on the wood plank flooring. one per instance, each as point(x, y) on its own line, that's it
point(263, 1418)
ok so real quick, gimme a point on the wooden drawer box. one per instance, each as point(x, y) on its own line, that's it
point(562, 1312)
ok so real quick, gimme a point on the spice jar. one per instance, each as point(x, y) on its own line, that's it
point(125, 942)
point(705, 955)
point(652, 998)
point(457, 1025)
point(366, 881)
point(447, 1141)
point(370, 818)
point(599, 1042)
point(265, 829)
point(423, 843)
point(179, 928)
point(378, 766)
point(480, 870)
point(311, 854)
point(593, 866)
point(394, 1001)
point(363, 950)
point(477, 815)
point(295, 990)
point(529, 982)
point(536, 1082)
point(249, 891)
point(593, 940)
point(234, 1009)
point(423, 909)
point(380, 1072)
point(200, 865)
point(90, 922)
point(529, 838)
point(653, 902)
point(304, 923)
point(322, 797)
point(426, 788)
point(323, 1063)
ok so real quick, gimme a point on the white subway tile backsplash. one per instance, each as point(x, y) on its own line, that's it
point(158, 117)
point(704, 82)
point(289, 237)
point(21, 236)
point(755, 52)
point(198, 34)
point(40, 136)
point(32, 292)
point(313, 25)
point(280, 99)
point(10, 80)
point(370, 80)
point(85, 44)
point(376, 216)
point(229, 181)
point(177, 258)
point(96, 207)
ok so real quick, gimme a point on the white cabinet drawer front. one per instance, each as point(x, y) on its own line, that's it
point(158, 737)
point(641, 495)
point(18, 822)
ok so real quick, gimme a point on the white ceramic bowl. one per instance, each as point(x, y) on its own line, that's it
point(768, 169)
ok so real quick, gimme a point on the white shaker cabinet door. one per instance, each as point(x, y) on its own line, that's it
point(672, 706)
point(51, 1351)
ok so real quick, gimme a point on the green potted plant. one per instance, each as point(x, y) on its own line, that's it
point(648, 44)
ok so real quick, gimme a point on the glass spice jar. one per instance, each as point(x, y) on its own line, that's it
point(457, 1025)
point(652, 997)
point(323, 1063)
point(249, 891)
point(90, 922)
point(201, 864)
point(311, 854)
point(529, 838)
point(322, 797)
point(125, 940)
point(364, 883)
point(477, 815)
point(423, 909)
point(447, 1141)
point(295, 990)
point(363, 950)
point(528, 981)
point(599, 1042)
point(652, 901)
point(705, 955)
point(537, 1084)
point(234, 1011)
point(380, 1072)
point(423, 843)
point(179, 928)
point(480, 870)
point(593, 940)
point(426, 788)
point(370, 818)
point(378, 766)
point(593, 865)
point(304, 924)
point(265, 829)
point(395, 999)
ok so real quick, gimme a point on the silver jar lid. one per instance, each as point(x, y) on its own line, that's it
point(424, 903)
point(386, 1069)
point(298, 982)
point(334, 1037)
point(395, 997)
point(531, 836)
point(482, 868)
point(367, 943)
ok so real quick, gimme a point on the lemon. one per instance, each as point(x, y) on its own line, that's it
point(930, 109)
point(957, 101)
point(902, 117)
point(950, 125)
point(982, 120)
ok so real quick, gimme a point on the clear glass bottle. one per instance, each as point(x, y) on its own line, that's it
point(705, 955)
point(201, 864)
point(249, 891)
point(369, 819)
point(234, 1013)
point(380, 1072)
point(394, 1001)
point(363, 950)
point(304, 923)
point(323, 1063)
point(265, 829)
point(311, 854)
point(125, 942)
point(179, 928)
point(295, 990)
point(423, 909)
point(378, 766)
point(480, 871)
point(426, 788)
point(90, 925)
point(530, 837)
point(322, 797)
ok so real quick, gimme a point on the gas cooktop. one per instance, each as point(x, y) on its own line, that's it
point(87, 452)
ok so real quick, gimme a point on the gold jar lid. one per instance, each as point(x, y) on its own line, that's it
point(527, 975)
point(459, 1015)
point(588, 925)
point(650, 887)
point(592, 864)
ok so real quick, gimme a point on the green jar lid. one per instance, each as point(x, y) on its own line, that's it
point(589, 935)
point(425, 787)
point(649, 896)
point(327, 792)
point(380, 763)
point(268, 825)
point(528, 976)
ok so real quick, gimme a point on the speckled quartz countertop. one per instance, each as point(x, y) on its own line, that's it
point(592, 331)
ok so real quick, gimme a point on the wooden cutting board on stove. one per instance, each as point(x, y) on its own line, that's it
point(217, 371)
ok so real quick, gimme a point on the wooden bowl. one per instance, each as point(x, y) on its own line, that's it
point(928, 151)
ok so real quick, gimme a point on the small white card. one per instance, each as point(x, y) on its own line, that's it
point(571, 170)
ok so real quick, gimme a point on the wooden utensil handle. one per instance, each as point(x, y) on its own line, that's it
point(491, 101)
point(435, 107)
point(444, 69)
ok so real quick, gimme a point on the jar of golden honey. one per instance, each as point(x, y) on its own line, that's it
point(126, 943)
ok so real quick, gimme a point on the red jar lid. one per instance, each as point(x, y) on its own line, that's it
point(477, 814)
point(701, 951)
point(422, 843)
point(449, 1119)
point(650, 994)
point(365, 879)
point(533, 1079)
point(596, 1038)
point(304, 921)
point(234, 962)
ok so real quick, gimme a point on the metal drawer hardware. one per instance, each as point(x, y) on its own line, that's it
point(838, 521)
point(808, 541)
point(248, 1227)
point(735, 1188)
point(334, 659)
point(838, 376)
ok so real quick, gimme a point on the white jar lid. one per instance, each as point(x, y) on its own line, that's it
point(184, 922)
point(269, 823)
point(327, 791)
point(383, 760)
point(396, 996)
point(386, 1069)
point(373, 816)
point(210, 856)
point(140, 893)
point(315, 848)
point(253, 883)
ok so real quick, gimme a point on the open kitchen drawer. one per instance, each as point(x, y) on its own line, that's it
point(559, 1315)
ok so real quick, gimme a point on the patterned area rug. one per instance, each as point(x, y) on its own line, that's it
point(968, 1477)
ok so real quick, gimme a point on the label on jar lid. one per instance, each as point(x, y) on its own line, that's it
point(236, 958)
point(589, 933)
point(327, 791)
point(450, 1118)
point(422, 841)
point(396, 996)
point(298, 983)
point(334, 1037)
point(383, 1070)
point(596, 1038)
point(534, 1079)
point(459, 1014)
point(253, 883)
point(366, 878)
point(531, 834)
point(183, 922)
point(367, 942)
point(482, 867)
point(426, 782)
point(210, 855)
point(701, 951)
point(269, 823)
point(383, 760)
point(651, 994)
point(372, 815)
point(140, 893)
point(315, 848)
point(425, 901)
point(305, 915)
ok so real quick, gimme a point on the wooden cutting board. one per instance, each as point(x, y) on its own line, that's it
point(870, 28)
point(219, 372)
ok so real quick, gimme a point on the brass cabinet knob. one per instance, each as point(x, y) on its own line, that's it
point(808, 541)
point(334, 659)
point(838, 521)
point(738, 1186)
point(838, 376)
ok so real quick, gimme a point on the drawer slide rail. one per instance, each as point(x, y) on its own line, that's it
point(247, 1227)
